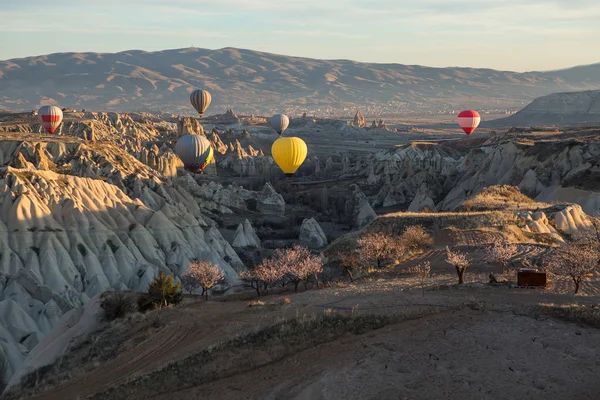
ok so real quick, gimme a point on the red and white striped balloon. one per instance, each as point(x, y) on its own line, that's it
point(468, 121)
point(50, 117)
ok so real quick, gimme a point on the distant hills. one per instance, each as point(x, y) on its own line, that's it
point(556, 109)
point(257, 82)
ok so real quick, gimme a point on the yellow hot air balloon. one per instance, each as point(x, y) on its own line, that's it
point(289, 153)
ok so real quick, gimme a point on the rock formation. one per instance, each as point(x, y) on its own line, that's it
point(112, 223)
point(245, 236)
point(572, 219)
point(312, 235)
point(556, 109)
point(358, 208)
point(422, 202)
point(359, 120)
point(270, 202)
point(189, 126)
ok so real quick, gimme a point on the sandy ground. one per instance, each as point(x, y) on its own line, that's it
point(453, 354)
point(458, 355)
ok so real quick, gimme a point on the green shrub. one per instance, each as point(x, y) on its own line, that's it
point(163, 292)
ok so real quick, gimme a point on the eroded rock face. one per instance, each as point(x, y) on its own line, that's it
point(68, 238)
point(245, 236)
point(358, 208)
point(359, 120)
point(572, 219)
point(557, 108)
point(422, 202)
point(588, 200)
point(312, 235)
point(270, 202)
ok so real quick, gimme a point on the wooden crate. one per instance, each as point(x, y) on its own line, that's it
point(534, 278)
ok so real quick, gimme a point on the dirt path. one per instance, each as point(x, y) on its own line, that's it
point(193, 327)
point(462, 355)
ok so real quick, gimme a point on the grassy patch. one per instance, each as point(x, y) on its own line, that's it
point(502, 197)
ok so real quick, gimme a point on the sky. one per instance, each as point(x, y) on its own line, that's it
point(516, 35)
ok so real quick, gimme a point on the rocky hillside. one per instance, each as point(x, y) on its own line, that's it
point(260, 82)
point(556, 109)
point(441, 177)
point(79, 217)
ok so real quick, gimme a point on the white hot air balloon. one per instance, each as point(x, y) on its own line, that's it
point(280, 122)
point(194, 151)
point(50, 117)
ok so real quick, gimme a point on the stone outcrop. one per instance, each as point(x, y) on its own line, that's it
point(572, 219)
point(312, 235)
point(588, 200)
point(113, 223)
point(358, 208)
point(189, 126)
point(359, 120)
point(556, 109)
point(245, 236)
point(270, 202)
point(422, 202)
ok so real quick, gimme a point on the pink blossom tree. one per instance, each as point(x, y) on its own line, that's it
point(299, 264)
point(575, 260)
point(202, 274)
point(460, 261)
point(503, 253)
point(423, 272)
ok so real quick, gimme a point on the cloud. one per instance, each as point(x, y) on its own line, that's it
point(317, 34)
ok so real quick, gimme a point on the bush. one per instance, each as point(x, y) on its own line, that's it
point(163, 292)
point(116, 305)
point(416, 238)
point(379, 247)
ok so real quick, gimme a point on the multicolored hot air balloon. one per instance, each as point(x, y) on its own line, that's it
point(289, 153)
point(200, 99)
point(194, 151)
point(280, 123)
point(468, 121)
point(50, 117)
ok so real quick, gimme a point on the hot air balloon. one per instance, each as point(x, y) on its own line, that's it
point(468, 121)
point(50, 117)
point(289, 153)
point(194, 151)
point(280, 122)
point(200, 99)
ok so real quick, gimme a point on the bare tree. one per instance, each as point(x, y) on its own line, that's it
point(202, 274)
point(503, 253)
point(576, 260)
point(378, 247)
point(189, 283)
point(460, 261)
point(416, 238)
point(423, 271)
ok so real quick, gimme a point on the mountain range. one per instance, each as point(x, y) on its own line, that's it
point(258, 82)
